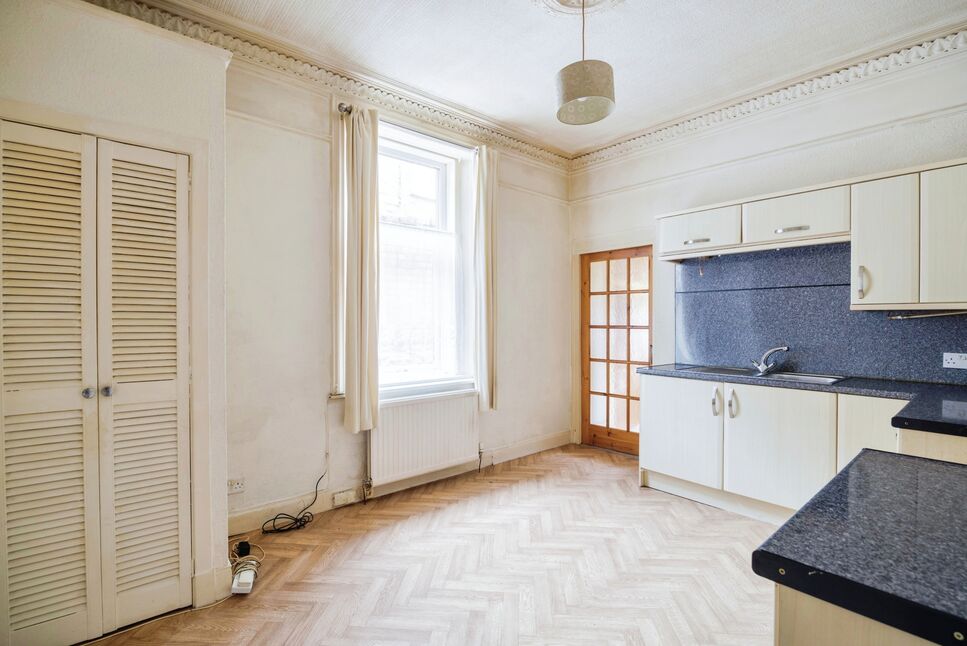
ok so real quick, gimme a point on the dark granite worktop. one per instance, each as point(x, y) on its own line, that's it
point(885, 538)
point(936, 408)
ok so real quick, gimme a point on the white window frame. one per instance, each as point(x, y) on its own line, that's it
point(457, 193)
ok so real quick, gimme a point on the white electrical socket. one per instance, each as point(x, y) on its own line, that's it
point(955, 360)
point(236, 486)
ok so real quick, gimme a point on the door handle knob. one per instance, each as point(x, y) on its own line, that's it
point(107, 391)
point(88, 393)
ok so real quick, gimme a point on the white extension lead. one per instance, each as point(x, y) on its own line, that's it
point(245, 566)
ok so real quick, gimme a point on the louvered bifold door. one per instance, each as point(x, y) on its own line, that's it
point(143, 369)
point(49, 524)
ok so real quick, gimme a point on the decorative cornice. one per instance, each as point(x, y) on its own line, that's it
point(371, 93)
point(876, 67)
point(400, 102)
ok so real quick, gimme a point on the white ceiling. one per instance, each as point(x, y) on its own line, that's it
point(672, 58)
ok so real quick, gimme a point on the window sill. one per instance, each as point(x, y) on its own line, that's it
point(387, 401)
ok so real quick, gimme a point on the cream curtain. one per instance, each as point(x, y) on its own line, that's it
point(359, 148)
point(485, 230)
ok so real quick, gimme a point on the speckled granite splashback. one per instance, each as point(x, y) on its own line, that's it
point(730, 309)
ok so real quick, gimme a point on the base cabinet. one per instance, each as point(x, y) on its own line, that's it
point(681, 429)
point(773, 445)
point(865, 423)
point(779, 444)
point(936, 446)
point(802, 620)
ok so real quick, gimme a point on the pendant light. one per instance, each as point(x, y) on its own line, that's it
point(585, 89)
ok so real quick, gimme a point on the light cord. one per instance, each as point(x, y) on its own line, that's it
point(582, 29)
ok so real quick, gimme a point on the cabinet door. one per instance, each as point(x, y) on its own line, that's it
point(49, 530)
point(943, 233)
point(936, 446)
point(780, 444)
point(143, 357)
point(681, 429)
point(692, 231)
point(885, 254)
point(864, 423)
point(803, 215)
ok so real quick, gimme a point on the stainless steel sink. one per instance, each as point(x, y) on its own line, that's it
point(804, 378)
point(716, 370)
point(800, 377)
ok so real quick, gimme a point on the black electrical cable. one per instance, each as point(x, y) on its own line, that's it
point(287, 522)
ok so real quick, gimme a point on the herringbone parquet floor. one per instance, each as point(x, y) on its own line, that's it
point(561, 547)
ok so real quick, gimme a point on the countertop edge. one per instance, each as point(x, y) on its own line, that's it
point(901, 420)
point(906, 615)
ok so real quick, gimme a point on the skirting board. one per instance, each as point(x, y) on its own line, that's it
point(757, 509)
point(211, 586)
point(251, 520)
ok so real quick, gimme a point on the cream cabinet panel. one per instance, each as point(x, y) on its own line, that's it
point(713, 228)
point(865, 423)
point(142, 203)
point(937, 446)
point(803, 215)
point(885, 255)
point(943, 235)
point(94, 489)
point(50, 547)
point(681, 429)
point(779, 444)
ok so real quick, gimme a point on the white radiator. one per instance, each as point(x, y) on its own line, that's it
point(418, 437)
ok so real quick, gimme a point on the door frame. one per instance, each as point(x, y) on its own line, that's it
point(211, 572)
point(623, 441)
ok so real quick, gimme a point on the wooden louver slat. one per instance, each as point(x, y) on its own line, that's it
point(136, 297)
point(50, 553)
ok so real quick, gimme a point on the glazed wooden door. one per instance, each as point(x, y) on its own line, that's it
point(615, 341)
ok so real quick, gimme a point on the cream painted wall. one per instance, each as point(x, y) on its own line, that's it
point(83, 68)
point(279, 210)
point(909, 117)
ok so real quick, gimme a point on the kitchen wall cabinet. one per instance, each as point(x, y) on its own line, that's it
point(908, 241)
point(802, 215)
point(681, 429)
point(907, 231)
point(885, 254)
point(943, 235)
point(701, 230)
point(779, 444)
point(865, 423)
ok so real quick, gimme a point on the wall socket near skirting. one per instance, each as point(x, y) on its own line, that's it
point(955, 360)
point(236, 486)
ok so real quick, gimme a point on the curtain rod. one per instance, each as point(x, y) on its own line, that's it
point(345, 108)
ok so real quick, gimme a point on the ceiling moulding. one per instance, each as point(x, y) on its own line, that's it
point(873, 68)
point(372, 93)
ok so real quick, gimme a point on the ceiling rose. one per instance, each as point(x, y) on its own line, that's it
point(573, 7)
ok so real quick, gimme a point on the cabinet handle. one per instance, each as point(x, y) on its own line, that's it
point(107, 391)
point(715, 402)
point(695, 241)
point(731, 404)
point(861, 279)
point(88, 393)
point(800, 227)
